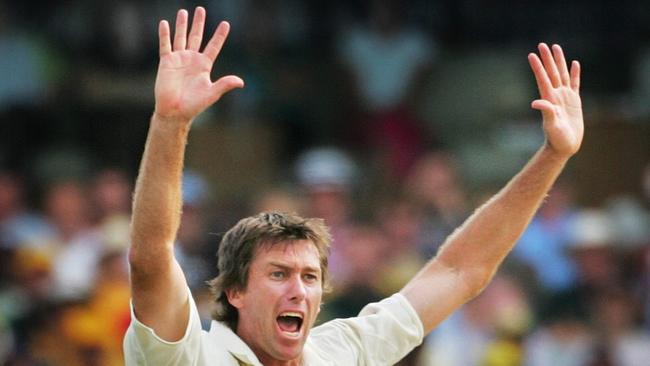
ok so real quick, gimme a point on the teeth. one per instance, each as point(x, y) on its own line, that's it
point(290, 313)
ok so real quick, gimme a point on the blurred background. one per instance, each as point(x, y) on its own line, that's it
point(392, 120)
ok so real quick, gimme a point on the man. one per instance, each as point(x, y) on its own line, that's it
point(281, 259)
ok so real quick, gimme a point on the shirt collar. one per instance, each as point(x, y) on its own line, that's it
point(223, 335)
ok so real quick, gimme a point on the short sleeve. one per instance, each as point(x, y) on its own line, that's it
point(382, 334)
point(143, 347)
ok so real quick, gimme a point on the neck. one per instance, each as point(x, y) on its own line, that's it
point(268, 361)
point(265, 358)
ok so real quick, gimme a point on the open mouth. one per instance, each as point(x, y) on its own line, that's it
point(290, 322)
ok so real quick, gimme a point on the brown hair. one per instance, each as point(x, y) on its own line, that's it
point(242, 241)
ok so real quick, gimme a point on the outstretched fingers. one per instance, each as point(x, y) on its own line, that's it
point(575, 76)
point(549, 64)
point(551, 71)
point(196, 34)
point(560, 63)
point(165, 45)
point(180, 34)
point(215, 44)
point(192, 42)
point(541, 76)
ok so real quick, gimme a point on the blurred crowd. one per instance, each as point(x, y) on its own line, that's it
point(392, 120)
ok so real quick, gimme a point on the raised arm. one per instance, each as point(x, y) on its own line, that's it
point(183, 90)
point(471, 255)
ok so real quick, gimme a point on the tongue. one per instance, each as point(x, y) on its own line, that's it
point(288, 324)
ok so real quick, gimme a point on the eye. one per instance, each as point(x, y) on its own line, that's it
point(310, 278)
point(277, 275)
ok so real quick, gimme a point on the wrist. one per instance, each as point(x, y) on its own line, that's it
point(170, 117)
point(170, 123)
point(549, 152)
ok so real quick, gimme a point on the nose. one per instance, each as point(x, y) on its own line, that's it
point(297, 291)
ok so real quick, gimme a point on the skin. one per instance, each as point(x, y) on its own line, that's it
point(284, 277)
point(183, 90)
point(471, 255)
point(462, 268)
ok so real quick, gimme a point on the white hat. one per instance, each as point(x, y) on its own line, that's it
point(325, 167)
point(630, 222)
point(195, 188)
point(590, 228)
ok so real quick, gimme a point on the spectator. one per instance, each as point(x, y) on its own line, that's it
point(192, 249)
point(544, 246)
point(111, 201)
point(477, 333)
point(367, 247)
point(77, 246)
point(24, 64)
point(18, 226)
point(327, 177)
point(616, 314)
point(387, 60)
point(435, 184)
point(402, 226)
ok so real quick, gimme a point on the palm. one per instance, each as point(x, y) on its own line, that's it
point(564, 127)
point(560, 100)
point(183, 85)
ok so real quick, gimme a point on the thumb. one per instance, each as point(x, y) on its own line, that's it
point(224, 85)
point(544, 106)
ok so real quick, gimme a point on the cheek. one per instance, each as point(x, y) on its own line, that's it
point(258, 291)
point(272, 293)
point(315, 298)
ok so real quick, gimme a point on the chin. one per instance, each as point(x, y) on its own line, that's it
point(288, 353)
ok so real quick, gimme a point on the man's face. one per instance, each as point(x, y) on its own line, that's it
point(280, 304)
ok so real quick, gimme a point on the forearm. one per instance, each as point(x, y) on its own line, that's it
point(477, 248)
point(471, 255)
point(183, 90)
point(157, 199)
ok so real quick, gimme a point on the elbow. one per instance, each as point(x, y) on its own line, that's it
point(476, 281)
point(133, 257)
point(149, 257)
point(137, 261)
point(472, 277)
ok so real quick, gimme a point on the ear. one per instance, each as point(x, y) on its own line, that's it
point(235, 297)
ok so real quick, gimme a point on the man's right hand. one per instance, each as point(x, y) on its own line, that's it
point(183, 85)
point(183, 90)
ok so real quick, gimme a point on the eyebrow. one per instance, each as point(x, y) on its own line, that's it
point(290, 268)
